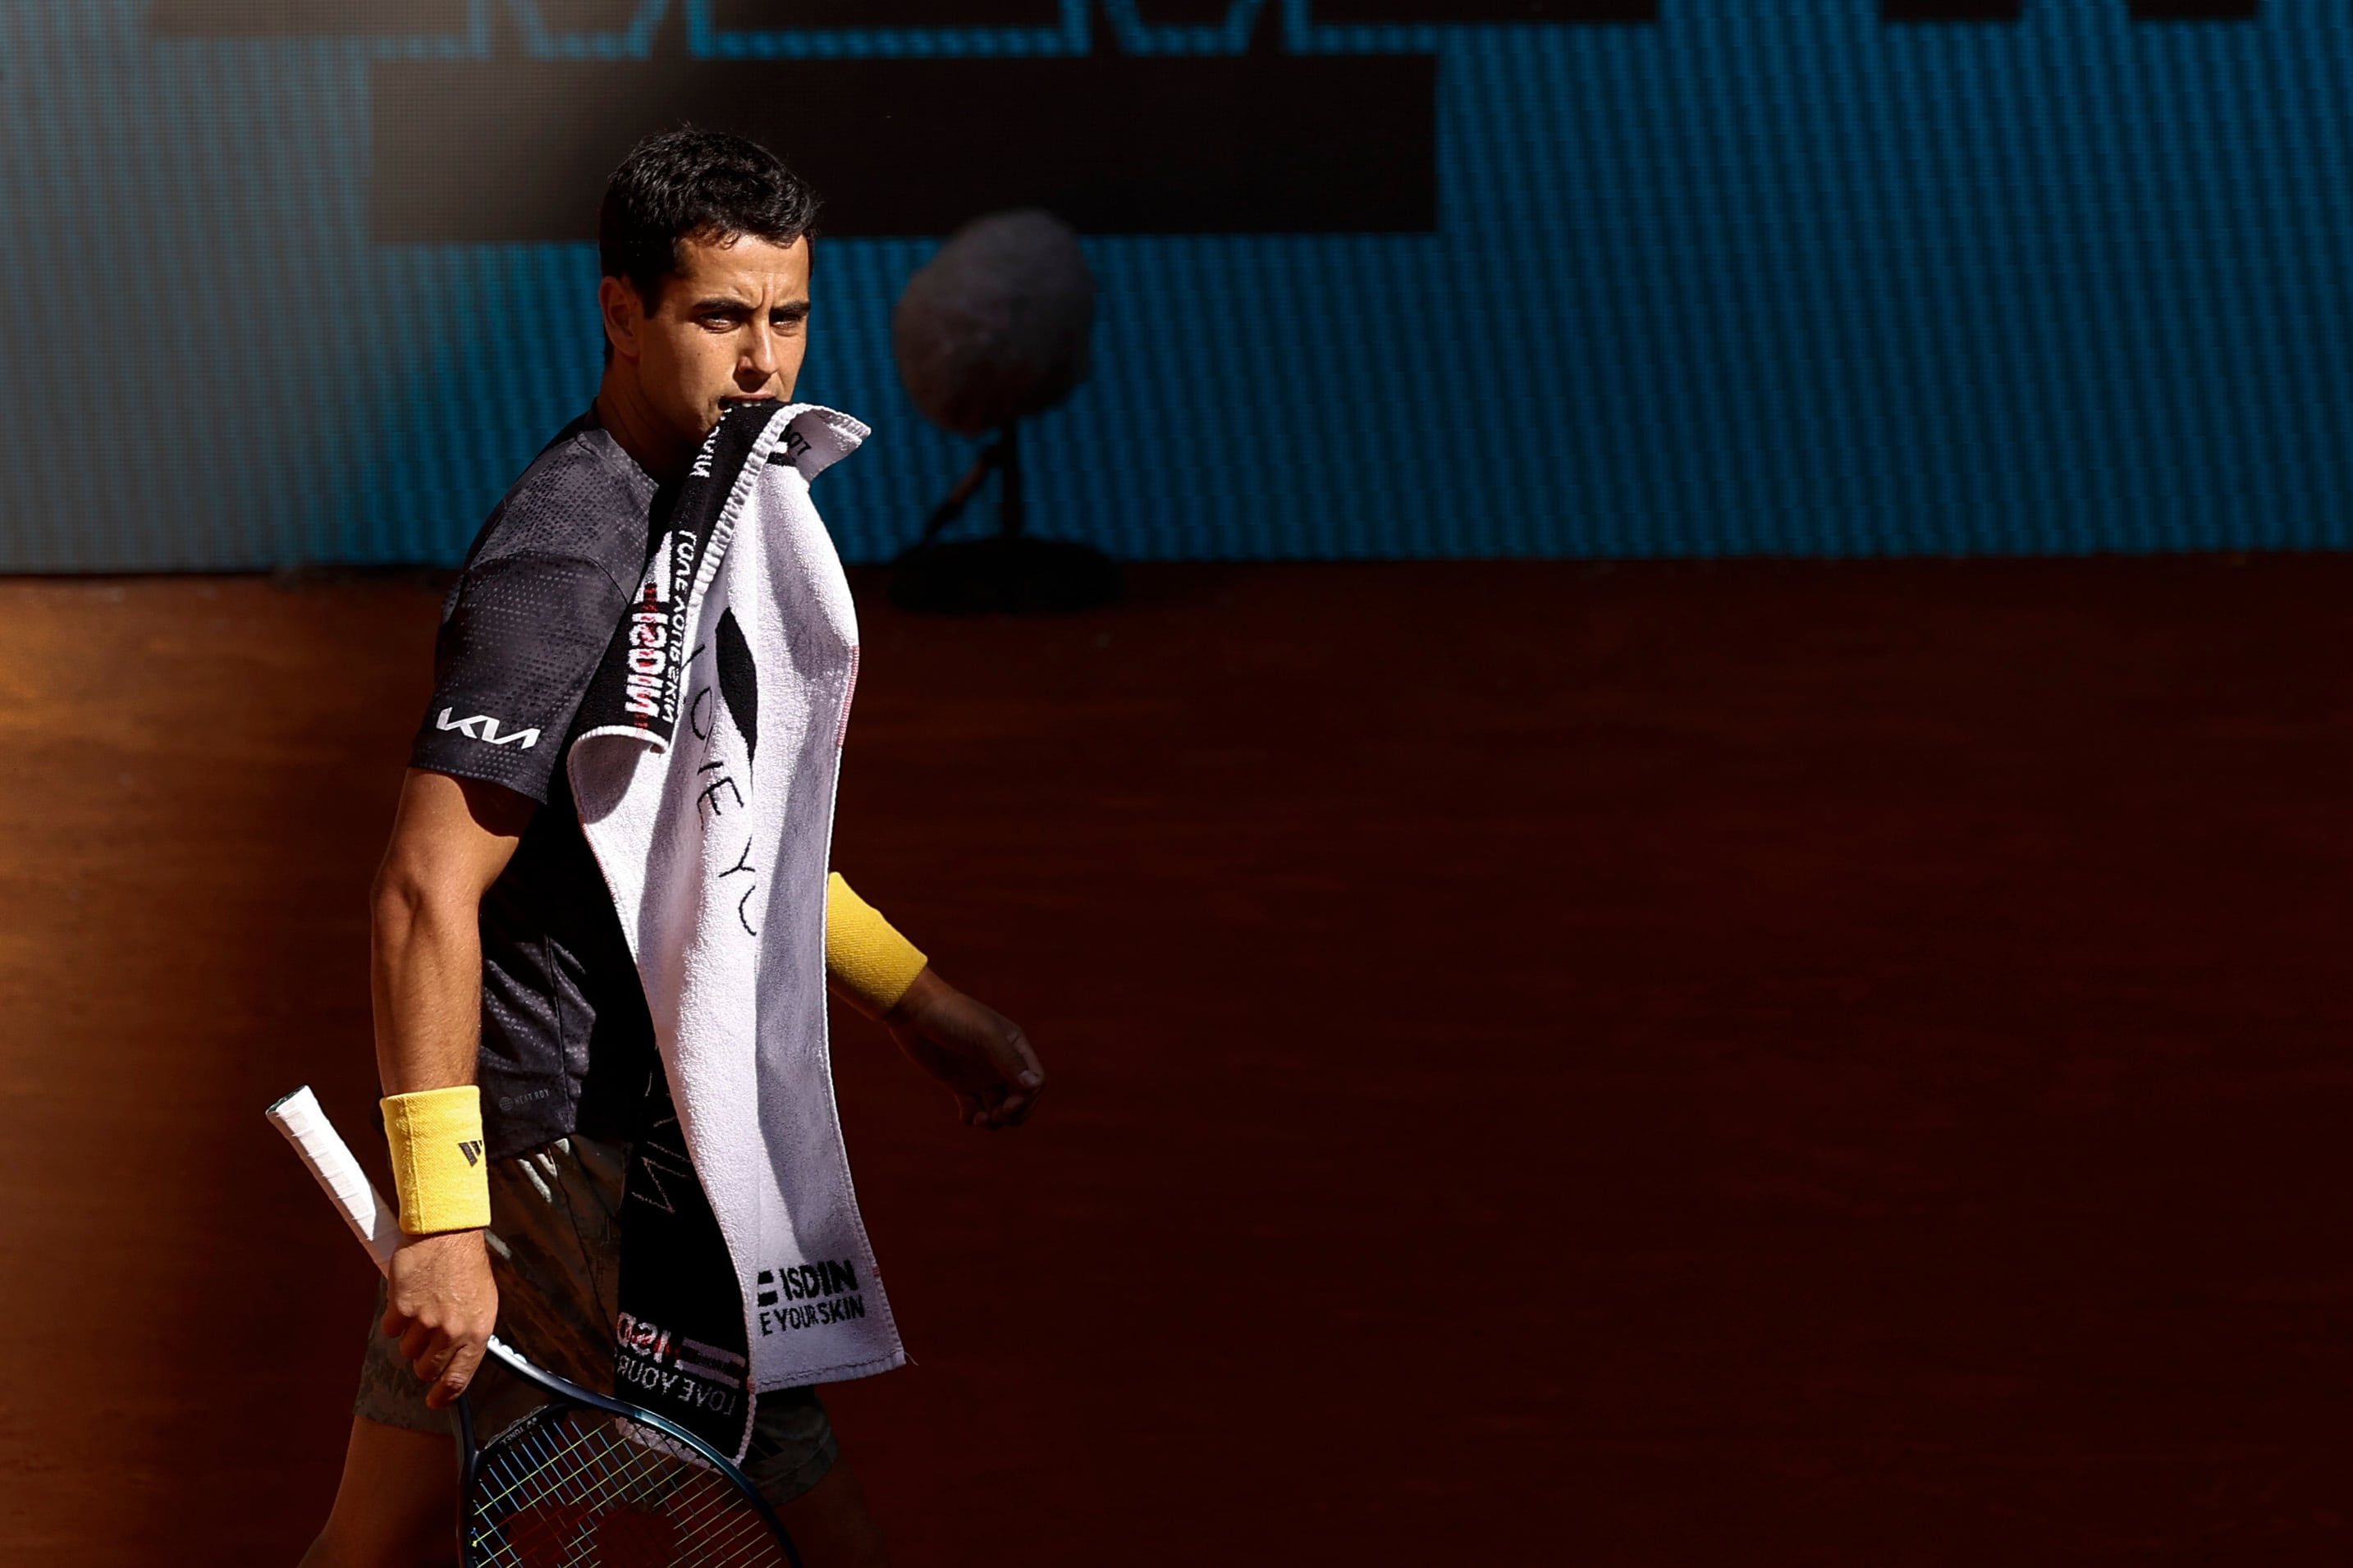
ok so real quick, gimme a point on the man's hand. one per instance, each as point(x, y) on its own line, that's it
point(442, 1306)
point(975, 1050)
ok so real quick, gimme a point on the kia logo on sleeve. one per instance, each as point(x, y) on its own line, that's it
point(523, 739)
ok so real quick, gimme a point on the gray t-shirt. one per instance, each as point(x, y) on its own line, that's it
point(566, 1039)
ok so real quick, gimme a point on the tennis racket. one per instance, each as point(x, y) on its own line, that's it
point(583, 1480)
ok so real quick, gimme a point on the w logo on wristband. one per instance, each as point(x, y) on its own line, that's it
point(472, 1150)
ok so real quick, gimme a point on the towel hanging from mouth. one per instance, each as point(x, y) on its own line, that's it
point(705, 770)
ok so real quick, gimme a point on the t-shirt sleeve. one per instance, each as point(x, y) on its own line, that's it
point(521, 641)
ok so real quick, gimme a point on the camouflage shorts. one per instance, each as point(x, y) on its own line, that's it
point(554, 1241)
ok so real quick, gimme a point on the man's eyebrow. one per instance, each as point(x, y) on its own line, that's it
point(730, 304)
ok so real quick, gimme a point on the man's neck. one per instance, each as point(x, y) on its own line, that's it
point(621, 409)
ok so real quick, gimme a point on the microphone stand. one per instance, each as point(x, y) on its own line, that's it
point(1009, 573)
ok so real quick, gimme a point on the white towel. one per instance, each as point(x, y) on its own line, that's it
point(705, 776)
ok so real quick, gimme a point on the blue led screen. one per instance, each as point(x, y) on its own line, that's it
point(299, 280)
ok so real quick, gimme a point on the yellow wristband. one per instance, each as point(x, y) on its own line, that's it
point(869, 959)
point(436, 1136)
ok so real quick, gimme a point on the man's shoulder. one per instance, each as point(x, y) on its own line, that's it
point(581, 500)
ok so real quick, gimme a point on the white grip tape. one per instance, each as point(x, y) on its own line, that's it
point(374, 1221)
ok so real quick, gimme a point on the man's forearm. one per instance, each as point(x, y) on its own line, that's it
point(427, 967)
point(867, 1007)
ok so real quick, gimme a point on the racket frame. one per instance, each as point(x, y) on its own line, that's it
point(378, 1225)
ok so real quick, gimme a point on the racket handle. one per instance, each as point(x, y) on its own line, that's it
point(374, 1221)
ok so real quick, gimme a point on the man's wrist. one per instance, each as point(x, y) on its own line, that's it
point(480, 1234)
point(921, 993)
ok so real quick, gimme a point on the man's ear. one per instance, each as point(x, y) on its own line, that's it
point(624, 313)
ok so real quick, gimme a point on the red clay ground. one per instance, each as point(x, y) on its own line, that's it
point(1777, 1064)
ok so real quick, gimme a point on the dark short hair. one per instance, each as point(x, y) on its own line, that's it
point(691, 183)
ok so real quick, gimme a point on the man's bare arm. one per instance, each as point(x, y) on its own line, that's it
point(450, 840)
point(981, 1055)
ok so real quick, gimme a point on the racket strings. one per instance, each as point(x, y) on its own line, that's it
point(571, 1488)
point(564, 1490)
point(640, 1515)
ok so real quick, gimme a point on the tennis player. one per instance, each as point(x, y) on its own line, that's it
point(504, 986)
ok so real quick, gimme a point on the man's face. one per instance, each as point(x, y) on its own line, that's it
point(732, 326)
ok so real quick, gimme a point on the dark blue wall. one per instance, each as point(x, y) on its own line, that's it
point(1751, 277)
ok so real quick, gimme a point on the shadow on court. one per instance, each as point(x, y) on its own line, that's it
point(1778, 1063)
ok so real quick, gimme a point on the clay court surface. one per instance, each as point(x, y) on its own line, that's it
point(1772, 1064)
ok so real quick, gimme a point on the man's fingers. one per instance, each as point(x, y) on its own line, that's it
point(1013, 1058)
point(418, 1340)
point(465, 1360)
point(989, 1110)
point(435, 1360)
point(1023, 1086)
point(449, 1363)
point(1006, 1103)
point(1002, 1110)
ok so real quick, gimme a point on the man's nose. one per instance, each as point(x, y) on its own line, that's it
point(759, 364)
